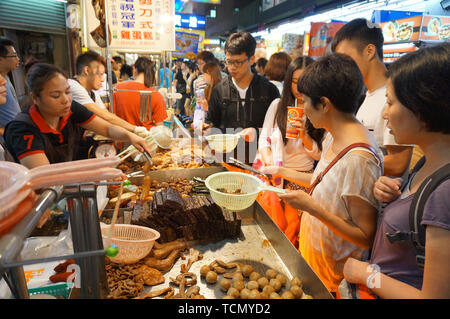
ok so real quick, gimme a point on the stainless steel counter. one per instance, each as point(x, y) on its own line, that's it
point(262, 245)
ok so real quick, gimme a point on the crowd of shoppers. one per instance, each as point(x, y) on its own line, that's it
point(347, 174)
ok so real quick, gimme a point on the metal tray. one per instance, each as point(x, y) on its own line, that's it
point(187, 173)
point(263, 245)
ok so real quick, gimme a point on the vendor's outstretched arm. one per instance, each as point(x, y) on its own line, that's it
point(109, 117)
point(117, 133)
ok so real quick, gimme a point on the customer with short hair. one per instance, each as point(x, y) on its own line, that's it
point(241, 100)
point(9, 60)
point(276, 67)
point(90, 68)
point(339, 218)
point(363, 42)
point(417, 112)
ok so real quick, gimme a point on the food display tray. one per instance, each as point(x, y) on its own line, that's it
point(186, 173)
point(261, 244)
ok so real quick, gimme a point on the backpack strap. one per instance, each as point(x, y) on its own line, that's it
point(416, 168)
point(417, 232)
point(418, 206)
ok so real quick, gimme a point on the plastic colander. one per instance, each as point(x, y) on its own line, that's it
point(133, 242)
point(223, 143)
point(249, 186)
point(162, 136)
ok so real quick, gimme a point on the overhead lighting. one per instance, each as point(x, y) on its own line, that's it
point(343, 13)
point(64, 1)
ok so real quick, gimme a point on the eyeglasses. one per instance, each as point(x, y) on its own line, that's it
point(11, 56)
point(236, 62)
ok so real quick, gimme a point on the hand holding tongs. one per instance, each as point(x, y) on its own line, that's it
point(234, 162)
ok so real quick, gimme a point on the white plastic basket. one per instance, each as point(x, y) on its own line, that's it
point(162, 136)
point(249, 185)
point(133, 242)
point(223, 143)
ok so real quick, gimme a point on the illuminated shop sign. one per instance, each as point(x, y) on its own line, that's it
point(190, 21)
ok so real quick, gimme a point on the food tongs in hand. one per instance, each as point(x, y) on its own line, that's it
point(234, 162)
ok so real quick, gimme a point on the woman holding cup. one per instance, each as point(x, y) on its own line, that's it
point(286, 141)
point(289, 144)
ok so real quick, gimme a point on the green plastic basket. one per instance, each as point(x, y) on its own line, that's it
point(58, 290)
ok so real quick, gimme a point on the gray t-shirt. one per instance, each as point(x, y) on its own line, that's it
point(11, 108)
point(398, 260)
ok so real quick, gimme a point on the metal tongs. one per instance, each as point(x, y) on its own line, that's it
point(234, 162)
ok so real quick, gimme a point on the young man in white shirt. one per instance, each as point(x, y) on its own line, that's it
point(90, 67)
point(363, 42)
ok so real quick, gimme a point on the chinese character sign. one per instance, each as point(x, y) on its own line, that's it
point(141, 25)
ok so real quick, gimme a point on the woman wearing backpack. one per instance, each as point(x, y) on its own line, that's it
point(418, 112)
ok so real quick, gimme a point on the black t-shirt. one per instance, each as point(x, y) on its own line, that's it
point(23, 139)
point(181, 82)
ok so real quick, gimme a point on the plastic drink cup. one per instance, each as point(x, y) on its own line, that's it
point(294, 114)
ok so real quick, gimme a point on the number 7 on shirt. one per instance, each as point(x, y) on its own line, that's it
point(30, 140)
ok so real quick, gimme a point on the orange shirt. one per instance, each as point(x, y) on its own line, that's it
point(127, 104)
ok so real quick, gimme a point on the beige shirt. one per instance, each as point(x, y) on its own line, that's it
point(353, 175)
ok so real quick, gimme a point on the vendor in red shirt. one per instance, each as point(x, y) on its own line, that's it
point(127, 104)
point(49, 131)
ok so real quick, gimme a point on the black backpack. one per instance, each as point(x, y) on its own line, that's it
point(417, 232)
